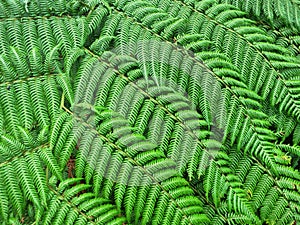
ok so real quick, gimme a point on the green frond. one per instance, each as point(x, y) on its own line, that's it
point(149, 112)
point(154, 167)
point(51, 162)
point(76, 203)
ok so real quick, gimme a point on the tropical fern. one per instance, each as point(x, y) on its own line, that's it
point(149, 112)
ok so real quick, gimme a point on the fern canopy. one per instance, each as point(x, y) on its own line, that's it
point(143, 112)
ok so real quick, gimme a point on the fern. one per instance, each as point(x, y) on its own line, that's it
point(149, 112)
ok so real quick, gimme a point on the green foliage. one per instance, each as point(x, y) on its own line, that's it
point(149, 112)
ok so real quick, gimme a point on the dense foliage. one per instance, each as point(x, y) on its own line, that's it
point(149, 112)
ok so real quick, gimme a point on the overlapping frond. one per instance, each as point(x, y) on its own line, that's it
point(149, 112)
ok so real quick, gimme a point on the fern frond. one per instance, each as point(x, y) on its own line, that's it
point(149, 112)
point(152, 171)
point(76, 204)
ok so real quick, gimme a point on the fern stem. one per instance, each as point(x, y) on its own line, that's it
point(9, 83)
point(71, 205)
point(23, 154)
point(33, 18)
